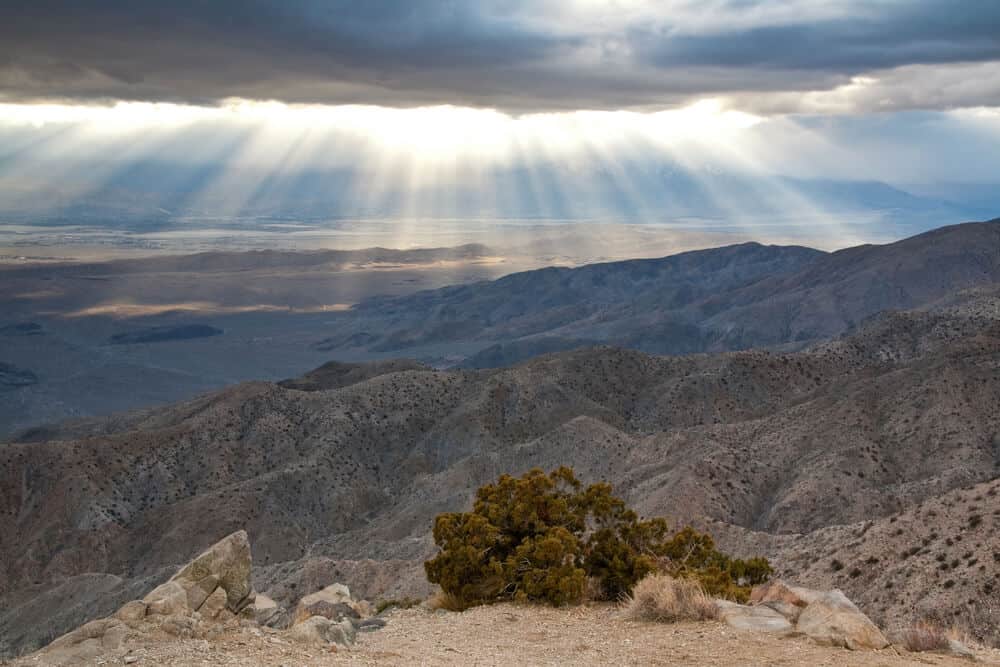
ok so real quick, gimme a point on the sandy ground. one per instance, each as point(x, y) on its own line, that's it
point(516, 635)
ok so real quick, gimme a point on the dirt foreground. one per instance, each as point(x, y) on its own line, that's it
point(517, 635)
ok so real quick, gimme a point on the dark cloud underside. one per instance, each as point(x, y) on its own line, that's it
point(503, 53)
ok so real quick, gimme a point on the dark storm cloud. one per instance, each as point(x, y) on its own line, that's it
point(510, 54)
point(873, 36)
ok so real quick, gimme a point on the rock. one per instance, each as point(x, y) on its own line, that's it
point(86, 642)
point(789, 611)
point(333, 611)
point(113, 637)
point(167, 599)
point(180, 625)
point(369, 624)
point(834, 620)
point(333, 593)
point(779, 591)
point(214, 604)
point(130, 659)
point(320, 631)
point(363, 608)
point(269, 613)
point(215, 586)
point(132, 612)
point(226, 564)
point(758, 618)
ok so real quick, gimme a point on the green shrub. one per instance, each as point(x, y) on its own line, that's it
point(545, 537)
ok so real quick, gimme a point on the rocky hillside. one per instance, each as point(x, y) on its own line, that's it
point(732, 298)
point(339, 479)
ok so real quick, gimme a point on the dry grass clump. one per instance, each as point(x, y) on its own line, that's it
point(924, 636)
point(446, 601)
point(664, 599)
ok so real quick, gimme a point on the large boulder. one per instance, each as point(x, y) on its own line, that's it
point(226, 565)
point(834, 620)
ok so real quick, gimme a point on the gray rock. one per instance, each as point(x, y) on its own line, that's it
point(789, 611)
point(333, 594)
point(333, 611)
point(757, 618)
point(834, 620)
point(269, 613)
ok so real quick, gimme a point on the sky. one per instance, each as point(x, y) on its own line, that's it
point(650, 110)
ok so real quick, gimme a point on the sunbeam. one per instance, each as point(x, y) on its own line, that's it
point(701, 164)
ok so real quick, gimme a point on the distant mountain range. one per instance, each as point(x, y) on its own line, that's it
point(731, 298)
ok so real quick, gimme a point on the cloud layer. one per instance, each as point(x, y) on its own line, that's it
point(767, 56)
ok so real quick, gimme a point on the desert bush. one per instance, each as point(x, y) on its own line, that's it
point(924, 636)
point(693, 555)
point(546, 537)
point(665, 599)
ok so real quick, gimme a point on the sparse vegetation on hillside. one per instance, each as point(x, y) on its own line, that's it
point(543, 537)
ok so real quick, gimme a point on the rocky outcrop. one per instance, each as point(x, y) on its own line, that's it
point(211, 589)
point(827, 617)
point(220, 574)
